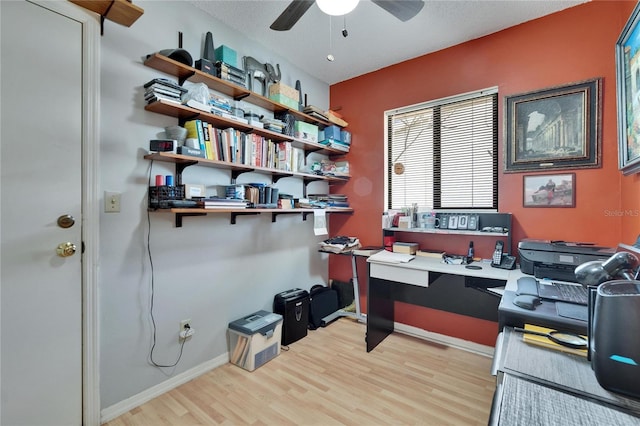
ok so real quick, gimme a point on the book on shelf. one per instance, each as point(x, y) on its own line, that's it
point(158, 97)
point(163, 91)
point(194, 131)
point(165, 82)
point(197, 105)
point(192, 152)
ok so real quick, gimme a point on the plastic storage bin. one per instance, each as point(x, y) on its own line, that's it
point(255, 339)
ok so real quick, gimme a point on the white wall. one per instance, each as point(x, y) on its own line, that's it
point(209, 270)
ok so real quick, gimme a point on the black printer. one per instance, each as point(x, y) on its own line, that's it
point(557, 260)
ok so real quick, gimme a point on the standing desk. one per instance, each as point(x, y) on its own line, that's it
point(430, 283)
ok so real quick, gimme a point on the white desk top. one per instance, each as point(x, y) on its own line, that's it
point(429, 264)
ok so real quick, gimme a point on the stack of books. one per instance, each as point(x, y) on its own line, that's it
point(329, 200)
point(273, 124)
point(230, 73)
point(315, 112)
point(222, 203)
point(163, 89)
point(220, 105)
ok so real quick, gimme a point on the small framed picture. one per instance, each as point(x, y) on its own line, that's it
point(556, 190)
point(453, 222)
point(463, 220)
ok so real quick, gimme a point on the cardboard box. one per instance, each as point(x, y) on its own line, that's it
point(255, 339)
point(285, 100)
point(227, 55)
point(283, 89)
point(305, 131)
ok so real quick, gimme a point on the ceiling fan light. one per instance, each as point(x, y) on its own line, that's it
point(337, 7)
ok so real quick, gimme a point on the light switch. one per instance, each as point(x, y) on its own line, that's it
point(111, 202)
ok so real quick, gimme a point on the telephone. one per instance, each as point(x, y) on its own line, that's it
point(501, 260)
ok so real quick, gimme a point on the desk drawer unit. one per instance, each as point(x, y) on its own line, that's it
point(418, 277)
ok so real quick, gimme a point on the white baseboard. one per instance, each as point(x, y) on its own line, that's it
point(445, 340)
point(130, 403)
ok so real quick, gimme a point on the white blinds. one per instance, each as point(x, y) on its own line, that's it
point(443, 155)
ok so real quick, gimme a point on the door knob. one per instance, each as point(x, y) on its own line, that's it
point(66, 249)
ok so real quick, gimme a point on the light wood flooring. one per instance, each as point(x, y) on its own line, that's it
point(328, 378)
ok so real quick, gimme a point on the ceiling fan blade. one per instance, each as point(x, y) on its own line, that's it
point(291, 15)
point(401, 9)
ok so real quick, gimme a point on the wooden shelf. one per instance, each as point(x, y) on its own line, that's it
point(185, 161)
point(448, 231)
point(184, 72)
point(120, 11)
point(183, 112)
point(186, 212)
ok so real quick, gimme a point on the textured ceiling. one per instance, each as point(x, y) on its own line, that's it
point(376, 39)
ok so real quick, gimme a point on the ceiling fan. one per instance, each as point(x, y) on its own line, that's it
point(401, 9)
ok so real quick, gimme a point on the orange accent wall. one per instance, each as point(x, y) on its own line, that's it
point(569, 46)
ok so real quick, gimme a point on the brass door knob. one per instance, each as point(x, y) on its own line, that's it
point(66, 249)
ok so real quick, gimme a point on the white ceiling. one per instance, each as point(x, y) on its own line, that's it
point(376, 39)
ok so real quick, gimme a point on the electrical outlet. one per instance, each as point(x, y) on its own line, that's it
point(184, 323)
point(186, 330)
point(111, 202)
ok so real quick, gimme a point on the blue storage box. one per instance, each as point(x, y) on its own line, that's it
point(226, 55)
point(332, 132)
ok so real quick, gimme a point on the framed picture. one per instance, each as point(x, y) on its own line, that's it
point(628, 95)
point(554, 128)
point(556, 190)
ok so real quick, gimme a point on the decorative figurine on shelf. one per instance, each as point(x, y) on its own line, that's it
point(265, 73)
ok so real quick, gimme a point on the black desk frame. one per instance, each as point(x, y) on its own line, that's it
point(451, 292)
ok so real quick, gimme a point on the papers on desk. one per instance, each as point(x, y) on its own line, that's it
point(390, 257)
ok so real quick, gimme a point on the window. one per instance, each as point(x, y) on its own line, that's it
point(444, 154)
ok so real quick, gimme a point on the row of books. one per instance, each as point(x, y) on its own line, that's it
point(234, 146)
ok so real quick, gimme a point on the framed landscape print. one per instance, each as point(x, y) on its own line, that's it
point(554, 128)
point(628, 95)
point(554, 190)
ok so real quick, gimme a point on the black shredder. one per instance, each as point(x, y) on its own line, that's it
point(293, 305)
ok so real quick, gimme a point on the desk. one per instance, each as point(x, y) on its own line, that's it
point(546, 387)
point(429, 282)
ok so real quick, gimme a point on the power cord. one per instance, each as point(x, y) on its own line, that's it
point(153, 321)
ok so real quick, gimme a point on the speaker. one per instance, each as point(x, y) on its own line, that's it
point(614, 327)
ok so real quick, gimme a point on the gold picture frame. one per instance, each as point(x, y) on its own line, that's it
point(554, 128)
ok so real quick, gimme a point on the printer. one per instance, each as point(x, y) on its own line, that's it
point(557, 260)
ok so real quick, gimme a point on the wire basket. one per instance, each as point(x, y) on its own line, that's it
point(159, 196)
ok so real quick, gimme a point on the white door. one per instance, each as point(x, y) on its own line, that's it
point(41, 181)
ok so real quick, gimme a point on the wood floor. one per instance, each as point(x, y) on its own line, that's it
point(328, 378)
